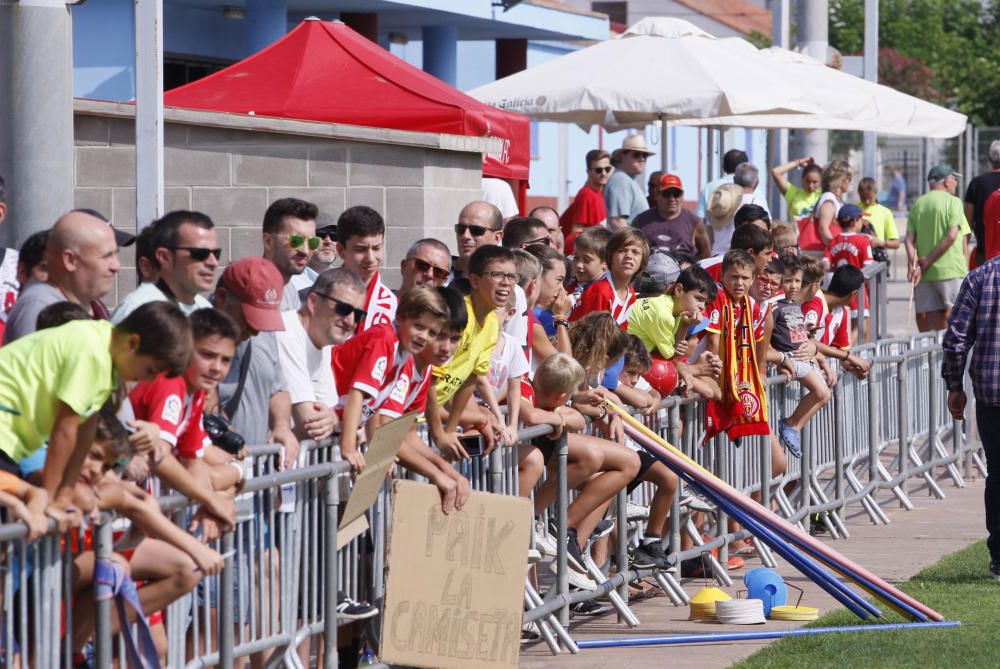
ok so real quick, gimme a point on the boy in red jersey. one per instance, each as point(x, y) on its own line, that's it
point(367, 367)
point(626, 255)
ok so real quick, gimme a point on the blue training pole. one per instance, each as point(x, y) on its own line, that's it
point(753, 636)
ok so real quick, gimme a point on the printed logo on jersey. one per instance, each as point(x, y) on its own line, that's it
point(378, 372)
point(172, 409)
point(399, 391)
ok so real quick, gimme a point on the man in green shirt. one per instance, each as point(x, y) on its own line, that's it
point(936, 238)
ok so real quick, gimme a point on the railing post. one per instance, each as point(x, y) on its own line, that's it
point(225, 605)
point(904, 426)
point(932, 409)
point(331, 576)
point(838, 444)
point(873, 423)
point(722, 463)
point(674, 425)
point(102, 624)
point(562, 502)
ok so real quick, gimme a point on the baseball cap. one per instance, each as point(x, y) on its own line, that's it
point(122, 238)
point(661, 271)
point(942, 172)
point(258, 285)
point(671, 181)
point(849, 212)
point(326, 224)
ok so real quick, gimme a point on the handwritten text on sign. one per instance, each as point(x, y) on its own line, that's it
point(455, 589)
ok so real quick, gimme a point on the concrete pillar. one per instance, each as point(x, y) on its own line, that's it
point(266, 22)
point(870, 144)
point(36, 115)
point(511, 56)
point(813, 39)
point(777, 140)
point(365, 23)
point(440, 44)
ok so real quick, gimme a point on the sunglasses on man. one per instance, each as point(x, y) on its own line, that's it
point(345, 309)
point(295, 241)
point(423, 266)
point(199, 254)
point(602, 170)
point(474, 230)
point(675, 193)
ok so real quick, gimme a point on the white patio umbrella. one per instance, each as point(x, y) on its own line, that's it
point(885, 110)
point(660, 68)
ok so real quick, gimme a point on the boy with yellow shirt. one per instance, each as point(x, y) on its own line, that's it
point(53, 383)
point(492, 276)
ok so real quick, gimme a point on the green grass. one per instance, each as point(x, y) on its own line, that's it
point(956, 587)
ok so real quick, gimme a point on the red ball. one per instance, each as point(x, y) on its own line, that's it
point(662, 375)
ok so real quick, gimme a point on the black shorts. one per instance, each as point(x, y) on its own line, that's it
point(8, 465)
point(646, 460)
point(546, 446)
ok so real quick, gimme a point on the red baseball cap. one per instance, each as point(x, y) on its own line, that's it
point(258, 285)
point(671, 181)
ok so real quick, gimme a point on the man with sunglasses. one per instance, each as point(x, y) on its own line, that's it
point(588, 208)
point(427, 264)
point(623, 195)
point(186, 255)
point(672, 227)
point(82, 257)
point(329, 315)
point(289, 237)
point(323, 258)
point(479, 224)
point(361, 245)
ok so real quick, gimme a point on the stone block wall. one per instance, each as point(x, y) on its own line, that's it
point(232, 168)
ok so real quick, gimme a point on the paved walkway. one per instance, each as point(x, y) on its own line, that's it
point(895, 552)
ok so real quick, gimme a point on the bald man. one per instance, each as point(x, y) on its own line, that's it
point(550, 217)
point(82, 257)
point(479, 224)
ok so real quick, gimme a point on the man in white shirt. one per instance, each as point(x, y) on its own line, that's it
point(186, 253)
point(747, 177)
point(329, 315)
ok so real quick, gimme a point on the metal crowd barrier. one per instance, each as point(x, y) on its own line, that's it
point(869, 446)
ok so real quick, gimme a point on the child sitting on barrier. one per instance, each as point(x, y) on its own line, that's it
point(185, 457)
point(650, 551)
point(169, 565)
point(661, 322)
point(588, 260)
point(597, 466)
point(830, 330)
point(53, 382)
point(787, 336)
point(367, 367)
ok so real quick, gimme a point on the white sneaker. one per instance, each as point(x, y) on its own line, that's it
point(534, 556)
point(544, 541)
point(576, 579)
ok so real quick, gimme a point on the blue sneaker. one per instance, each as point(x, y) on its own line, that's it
point(790, 438)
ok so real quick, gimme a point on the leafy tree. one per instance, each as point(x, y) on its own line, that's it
point(945, 51)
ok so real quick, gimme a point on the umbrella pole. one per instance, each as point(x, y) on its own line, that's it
point(664, 158)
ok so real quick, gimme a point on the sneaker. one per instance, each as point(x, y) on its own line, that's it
point(348, 609)
point(576, 579)
point(995, 569)
point(790, 438)
point(696, 501)
point(589, 608)
point(644, 558)
point(545, 542)
point(635, 511)
point(530, 634)
point(692, 568)
point(534, 556)
point(574, 557)
point(816, 524)
point(602, 529)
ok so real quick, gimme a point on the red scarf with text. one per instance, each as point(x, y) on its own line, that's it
point(743, 408)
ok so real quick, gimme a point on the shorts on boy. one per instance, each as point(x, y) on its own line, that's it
point(936, 295)
point(801, 368)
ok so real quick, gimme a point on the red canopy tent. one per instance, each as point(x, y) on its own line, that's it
point(324, 71)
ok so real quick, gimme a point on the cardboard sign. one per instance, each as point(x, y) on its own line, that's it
point(455, 590)
point(381, 454)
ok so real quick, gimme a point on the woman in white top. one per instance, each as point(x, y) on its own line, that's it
point(836, 181)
